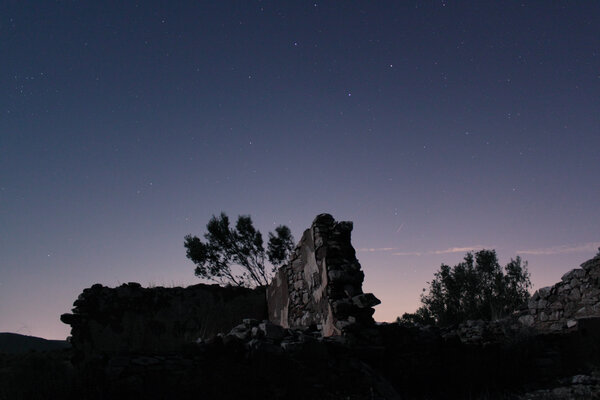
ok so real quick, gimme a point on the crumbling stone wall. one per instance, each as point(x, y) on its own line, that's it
point(133, 319)
point(561, 308)
point(322, 283)
point(576, 296)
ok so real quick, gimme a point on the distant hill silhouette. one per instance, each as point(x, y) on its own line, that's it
point(14, 343)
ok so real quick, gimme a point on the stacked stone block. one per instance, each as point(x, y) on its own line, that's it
point(560, 307)
point(131, 318)
point(322, 283)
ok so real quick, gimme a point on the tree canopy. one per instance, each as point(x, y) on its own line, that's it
point(477, 288)
point(236, 255)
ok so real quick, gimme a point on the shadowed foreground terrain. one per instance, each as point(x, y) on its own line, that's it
point(409, 363)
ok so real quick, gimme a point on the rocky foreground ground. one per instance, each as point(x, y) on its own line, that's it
point(258, 360)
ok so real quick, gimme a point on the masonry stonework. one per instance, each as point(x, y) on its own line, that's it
point(321, 285)
point(131, 318)
point(320, 340)
point(562, 305)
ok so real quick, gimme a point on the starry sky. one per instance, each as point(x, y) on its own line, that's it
point(436, 126)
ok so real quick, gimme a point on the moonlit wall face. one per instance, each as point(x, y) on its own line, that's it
point(437, 127)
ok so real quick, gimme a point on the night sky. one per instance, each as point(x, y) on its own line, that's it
point(436, 126)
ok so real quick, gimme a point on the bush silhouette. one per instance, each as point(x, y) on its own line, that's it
point(477, 288)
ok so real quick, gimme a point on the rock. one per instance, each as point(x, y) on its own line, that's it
point(574, 273)
point(582, 379)
point(291, 347)
point(351, 290)
point(342, 306)
point(574, 295)
point(571, 323)
point(581, 311)
point(345, 226)
point(561, 393)
point(271, 331)
point(215, 341)
point(589, 301)
point(305, 298)
point(323, 219)
point(527, 320)
point(563, 288)
point(250, 321)
point(555, 316)
point(341, 276)
point(591, 264)
point(342, 325)
point(242, 335)
point(365, 300)
point(544, 292)
point(256, 332)
point(532, 304)
point(145, 361)
point(265, 347)
point(557, 326)
point(232, 340)
point(240, 328)
point(71, 319)
point(592, 292)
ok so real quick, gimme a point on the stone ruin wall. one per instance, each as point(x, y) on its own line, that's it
point(564, 307)
point(322, 283)
point(133, 319)
point(561, 306)
point(320, 287)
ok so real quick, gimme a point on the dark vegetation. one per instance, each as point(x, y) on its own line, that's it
point(477, 288)
point(237, 255)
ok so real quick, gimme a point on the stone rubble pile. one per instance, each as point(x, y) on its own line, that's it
point(484, 333)
point(576, 296)
point(264, 336)
point(255, 359)
point(250, 339)
point(572, 388)
point(550, 309)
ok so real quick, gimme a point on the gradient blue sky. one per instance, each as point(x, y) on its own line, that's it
point(436, 126)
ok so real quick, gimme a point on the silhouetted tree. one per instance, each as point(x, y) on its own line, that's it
point(477, 288)
point(280, 245)
point(241, 246)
